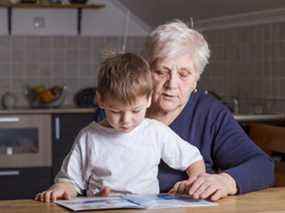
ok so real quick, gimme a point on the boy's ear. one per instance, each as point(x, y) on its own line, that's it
point(98, 99)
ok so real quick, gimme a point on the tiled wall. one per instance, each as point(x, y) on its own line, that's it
point(248, 63)
point(69, 61)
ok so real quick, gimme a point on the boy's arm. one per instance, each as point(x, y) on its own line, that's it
point(69, 179)
point(193, 171)
point(61, 190)
point(69, 182)
point(196, 168)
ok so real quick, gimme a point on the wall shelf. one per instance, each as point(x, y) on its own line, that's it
point(79, 8)
point(54, 6)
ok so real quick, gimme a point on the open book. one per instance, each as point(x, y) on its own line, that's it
point(132, 202)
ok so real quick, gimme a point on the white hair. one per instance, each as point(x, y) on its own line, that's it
point(176, 38)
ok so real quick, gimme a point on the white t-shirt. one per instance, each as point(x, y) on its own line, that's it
point(125, 161)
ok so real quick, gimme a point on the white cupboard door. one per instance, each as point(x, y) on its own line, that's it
point(44, 21)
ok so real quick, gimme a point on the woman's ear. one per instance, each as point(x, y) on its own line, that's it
point(195, 84)
point(149, 101)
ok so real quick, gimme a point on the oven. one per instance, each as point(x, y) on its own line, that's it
point(25, 141)
point(25, 155)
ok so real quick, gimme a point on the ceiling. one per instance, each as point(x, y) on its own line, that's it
point(155, 12)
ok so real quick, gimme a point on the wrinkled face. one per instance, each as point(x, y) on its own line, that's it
point(173, 80)
point(123, 117)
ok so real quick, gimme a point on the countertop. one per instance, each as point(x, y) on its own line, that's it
point(269, 200)
point(260, 117)
point(72, 109)
point(47, 111)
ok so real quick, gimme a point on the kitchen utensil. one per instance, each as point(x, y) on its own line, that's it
point(40, 97)
point(8, 100)
point(85, 97)
point(78, 1)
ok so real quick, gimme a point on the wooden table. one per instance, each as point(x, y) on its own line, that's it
point(269, 200)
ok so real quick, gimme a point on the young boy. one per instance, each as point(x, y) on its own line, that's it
point(122, 153)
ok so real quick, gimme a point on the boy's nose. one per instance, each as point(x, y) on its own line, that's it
point(126, 118)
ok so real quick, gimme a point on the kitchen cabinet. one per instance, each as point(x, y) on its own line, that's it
point(3, 21)
point(24, 183)
point(44, 19)
point(65, 128)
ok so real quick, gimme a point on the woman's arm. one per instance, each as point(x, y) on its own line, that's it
point(236, 155)
point(243, 167)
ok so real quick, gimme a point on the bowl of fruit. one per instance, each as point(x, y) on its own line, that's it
point(40, 96)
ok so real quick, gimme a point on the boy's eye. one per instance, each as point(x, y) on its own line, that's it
point(160, 72)
point(114, 112)
point(136, 111)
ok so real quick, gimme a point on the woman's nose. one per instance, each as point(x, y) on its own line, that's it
point(172, 80)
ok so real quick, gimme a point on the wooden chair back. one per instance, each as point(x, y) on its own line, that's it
point(272, 140)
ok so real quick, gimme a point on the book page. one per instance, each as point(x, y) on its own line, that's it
point(167, 201)
point(133, 201)
point(93, 203)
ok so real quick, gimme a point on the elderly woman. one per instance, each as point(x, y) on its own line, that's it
point(235, 165)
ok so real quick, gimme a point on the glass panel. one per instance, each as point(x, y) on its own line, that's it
point(19, 141)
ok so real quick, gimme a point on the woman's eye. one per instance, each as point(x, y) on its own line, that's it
point(184, 73)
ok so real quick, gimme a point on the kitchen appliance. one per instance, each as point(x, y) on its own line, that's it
point(25, 141)
point(25, 155)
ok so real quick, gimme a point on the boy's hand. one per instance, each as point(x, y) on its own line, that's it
point(183, 187)
point(105, 191)
point(63, 191)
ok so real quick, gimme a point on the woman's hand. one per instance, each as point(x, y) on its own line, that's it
point(207, 186)
point(64, 191)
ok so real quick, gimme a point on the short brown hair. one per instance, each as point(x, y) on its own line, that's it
point(123, 78)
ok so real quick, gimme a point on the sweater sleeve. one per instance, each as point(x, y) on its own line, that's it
point(176, 152)
point(237, 155)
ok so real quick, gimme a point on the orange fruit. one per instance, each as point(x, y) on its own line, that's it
point(46, 96)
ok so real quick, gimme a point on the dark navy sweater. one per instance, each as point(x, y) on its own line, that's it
point(210, 126)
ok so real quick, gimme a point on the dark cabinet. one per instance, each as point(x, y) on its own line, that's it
point(65, 128)
point(24, 183)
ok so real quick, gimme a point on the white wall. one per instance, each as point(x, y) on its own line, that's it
point(3, 21)
point(113, 20)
